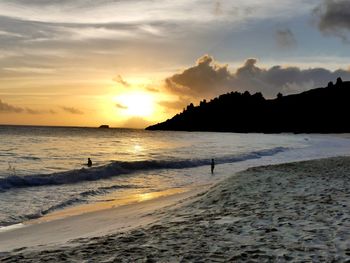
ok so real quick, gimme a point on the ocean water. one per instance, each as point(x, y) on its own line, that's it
point(42, 168)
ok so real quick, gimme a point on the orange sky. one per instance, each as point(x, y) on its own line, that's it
point(134, 63)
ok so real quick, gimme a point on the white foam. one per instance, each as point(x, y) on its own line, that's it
point(11, 227)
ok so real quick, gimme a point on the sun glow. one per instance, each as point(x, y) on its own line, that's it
point(136, 104)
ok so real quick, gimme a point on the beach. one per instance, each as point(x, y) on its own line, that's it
point(294, 212)
point(174, 131)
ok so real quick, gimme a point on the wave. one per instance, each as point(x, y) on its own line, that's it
point(80, 198)
point(118, 168)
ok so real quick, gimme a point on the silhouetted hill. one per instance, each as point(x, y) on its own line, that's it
point(321, 110)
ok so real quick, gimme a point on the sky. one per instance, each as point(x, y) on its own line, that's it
point(131, 63)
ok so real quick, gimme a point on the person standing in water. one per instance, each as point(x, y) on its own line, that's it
point(212, 166)
point(89, 163)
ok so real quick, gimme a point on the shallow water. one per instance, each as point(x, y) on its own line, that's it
point(41, 168)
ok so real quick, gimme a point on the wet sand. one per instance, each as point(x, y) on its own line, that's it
point(92, 220)
point(297, 212)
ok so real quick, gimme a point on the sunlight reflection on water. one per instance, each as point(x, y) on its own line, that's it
point(159, 162)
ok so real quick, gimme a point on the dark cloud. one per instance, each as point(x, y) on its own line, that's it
point(205, 78)
point(175, 104)
point(208, 79)
point(8, 108)
point(31, 111)
point(334, 17)
point(121, 106)
point(72, 110)
point(120, 80)
point(285, 38)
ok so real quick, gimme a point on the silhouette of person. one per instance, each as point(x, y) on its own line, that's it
point(212, 165)
point(89, 163)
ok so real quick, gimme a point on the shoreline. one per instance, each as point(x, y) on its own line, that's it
point(287, 212)
point(93, 220)
point(109, 203)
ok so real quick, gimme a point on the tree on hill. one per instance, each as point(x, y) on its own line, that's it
point(319, 110)
point(339, 82)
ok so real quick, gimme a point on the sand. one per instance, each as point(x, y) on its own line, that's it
point(91, 220)
point(297, 212)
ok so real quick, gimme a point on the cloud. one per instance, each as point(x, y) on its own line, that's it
point(120, 80)
point(208, 79)
point(94, 32)
point(285, 38)
point(104, 11)
point(121, 106)
point(136, 122)
point(175, 104)
point(72, 110)
point(8, 108)
point(62, 22)
point(31, 111)
point(334, 17)
point(205, 78)
point(218, 8)
point(152, 89)
point(31, 70)
point(9, 34)
point(89, 34)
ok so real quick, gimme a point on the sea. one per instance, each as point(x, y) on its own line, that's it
point(43, 169)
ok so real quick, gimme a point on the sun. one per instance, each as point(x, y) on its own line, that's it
point(136, 104)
